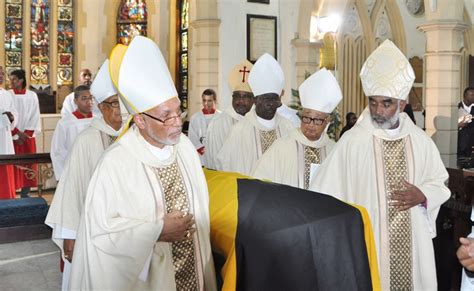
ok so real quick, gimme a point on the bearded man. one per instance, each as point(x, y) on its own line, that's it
point(391, 167)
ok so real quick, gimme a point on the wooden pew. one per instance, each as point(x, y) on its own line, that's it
point(23, 219)
point(45, 171)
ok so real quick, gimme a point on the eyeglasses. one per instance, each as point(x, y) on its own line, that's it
point(316, 121)
point(170, 120)
point(113, 104)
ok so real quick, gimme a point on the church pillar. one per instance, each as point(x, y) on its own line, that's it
point(203, 52)
point(2, 32)
point(444, 39)
point(307, 51)
point(307, 58)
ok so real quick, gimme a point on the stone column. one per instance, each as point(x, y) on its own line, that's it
point(444, 39)
point(203, 52)
point(2, 32)
point(307, 58)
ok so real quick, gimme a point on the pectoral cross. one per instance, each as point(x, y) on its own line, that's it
point(244, 71)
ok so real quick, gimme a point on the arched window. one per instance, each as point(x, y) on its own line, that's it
point(41, 40)
point(65, 43)
point(182, 55)
point(131, 20)
point(39, 55)
point(13, 35)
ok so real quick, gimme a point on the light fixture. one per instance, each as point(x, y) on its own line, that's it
point(329, 23)
point(320, 25)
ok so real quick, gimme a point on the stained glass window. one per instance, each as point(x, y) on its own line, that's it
point(182, 73)
point(13, 35)
point(131, 20)
point(65, 42)
point(39, 56)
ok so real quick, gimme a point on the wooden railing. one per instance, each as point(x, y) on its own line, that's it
point(466, 162)
point(44, 172)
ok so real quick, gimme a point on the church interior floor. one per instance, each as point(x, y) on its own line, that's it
point(30, 265)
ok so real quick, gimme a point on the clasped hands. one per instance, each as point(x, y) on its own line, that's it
point(177, 226)
point(22, 138)
point(406, 199)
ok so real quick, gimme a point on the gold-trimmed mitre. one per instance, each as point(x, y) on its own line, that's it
point(387, 72)
point(141, 75)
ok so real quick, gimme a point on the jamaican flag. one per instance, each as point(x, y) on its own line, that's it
point(277, 237)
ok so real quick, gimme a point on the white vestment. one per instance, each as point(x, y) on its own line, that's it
point(7, 105)
point(284, 161)
point(245, 144)
point(123, 219)
point(290, 114)
point(69, 106)
point(197, 131)
point(27, 106)
point(217, 131)
point(66, 208)
point(354, 172)
point(67, 129)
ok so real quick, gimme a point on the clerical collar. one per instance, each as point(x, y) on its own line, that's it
point(79, 115)
point(23, 91)
point(210, 111)
point(161, 154)
point(467, 108)
point(270, 124)
point(393, 132)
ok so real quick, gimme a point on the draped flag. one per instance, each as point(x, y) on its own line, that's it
point(277, 237)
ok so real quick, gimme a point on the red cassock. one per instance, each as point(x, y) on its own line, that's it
point(7, 182)
point(26, 175)
point(27, 104)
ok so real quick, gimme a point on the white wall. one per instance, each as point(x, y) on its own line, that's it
point(93, 22)
point(96, 35)
point(416, 42)
point(416, 39)
point(233, 46)
point(469, 6)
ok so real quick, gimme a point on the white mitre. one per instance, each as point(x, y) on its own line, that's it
point(102, 87)
point(141, 75)
point(266, 76)
point(387, 72)
point(320, 92)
